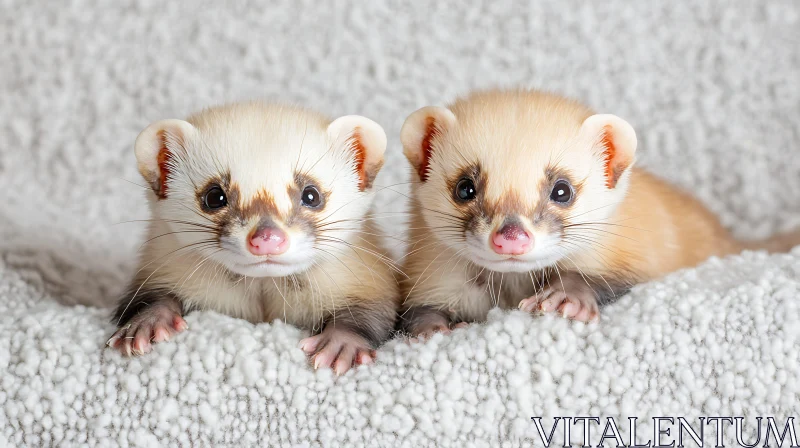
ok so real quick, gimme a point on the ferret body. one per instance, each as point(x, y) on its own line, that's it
point(261, 212)
point(527, 199)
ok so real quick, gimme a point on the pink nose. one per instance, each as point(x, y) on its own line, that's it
point(511, 239)
point(268, 241)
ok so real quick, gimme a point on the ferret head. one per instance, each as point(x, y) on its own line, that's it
point(264, 190)
point(516, 181)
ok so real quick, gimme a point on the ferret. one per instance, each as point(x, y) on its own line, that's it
point(260, 211)
point(527, 199)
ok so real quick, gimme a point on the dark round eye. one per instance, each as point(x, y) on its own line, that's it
point(311, 197)
point(562, 192)
point(465, 190)
point(215, 198)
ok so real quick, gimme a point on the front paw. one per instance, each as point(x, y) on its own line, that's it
point(426, 331)
point(576, 304)
point(421, 322)
point(338, 349)
point(155, 323)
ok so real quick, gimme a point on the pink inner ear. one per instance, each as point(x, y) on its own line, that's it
point(163, 160)
point(430, 132)
point(613, 167)
point(360, 154)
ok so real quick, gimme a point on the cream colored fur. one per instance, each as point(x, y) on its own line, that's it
point(261, 145)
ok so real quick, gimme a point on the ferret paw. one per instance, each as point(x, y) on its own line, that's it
point(425, 332)
point(338, 349)
point(577, 305)
point(153, 324)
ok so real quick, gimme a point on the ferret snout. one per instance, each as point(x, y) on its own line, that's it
point(267, 240)
point(511, 239)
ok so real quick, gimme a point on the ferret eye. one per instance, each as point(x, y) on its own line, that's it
point(215, 198)
point(465, 190)
point(562, 192)
point(311, 197)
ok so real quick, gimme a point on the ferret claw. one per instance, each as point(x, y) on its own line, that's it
point(337, 349)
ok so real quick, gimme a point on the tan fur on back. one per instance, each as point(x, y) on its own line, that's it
point(656, 230)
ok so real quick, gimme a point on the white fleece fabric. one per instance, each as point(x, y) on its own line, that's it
point(711, 87)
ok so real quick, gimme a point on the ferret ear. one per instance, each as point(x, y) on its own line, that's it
point(615, 139)
point(367, 141)
point(154, 149)
point(418, 132)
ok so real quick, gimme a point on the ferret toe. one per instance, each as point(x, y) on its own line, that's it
point(568, 310)
point(179, 324)
point(161, 334)
point(530, 304)
point(585, 315)
point(578, 310)
point(117, 337)
point(365, 357)
point(126, 347)
point(309, 345)
point(325, 358)
point(141, 342)
point(345, 360)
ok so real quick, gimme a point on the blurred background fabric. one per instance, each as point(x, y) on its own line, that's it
point(712, 88)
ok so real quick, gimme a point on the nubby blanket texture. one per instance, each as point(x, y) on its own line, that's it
point(712, 87)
